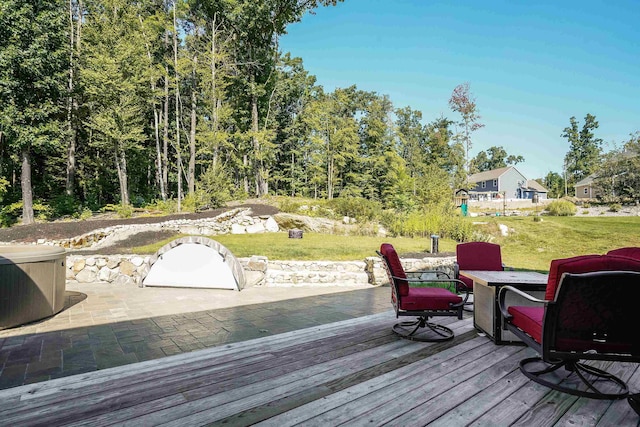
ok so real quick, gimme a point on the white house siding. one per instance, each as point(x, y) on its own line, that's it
point(510, 182)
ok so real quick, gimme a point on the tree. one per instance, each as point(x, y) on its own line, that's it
point(554, 183)
point(618, 177)
point(255, 27)
point(493, 158)
point(463, 102)
point(411, 137)
point(584, 152)
point(34, 60)
point(114, 61)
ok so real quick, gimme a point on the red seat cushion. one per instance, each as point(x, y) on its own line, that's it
point(467, 281)
point(429, 299)
point(629, 252)
point(586, 264)
point(529, 319)
point(396, 268)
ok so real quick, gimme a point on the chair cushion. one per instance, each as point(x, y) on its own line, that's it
point(585, 264)
point(467, 281)
point(395, 265)
point(429, 299)
point(479, 256)
point(629, 252)
point(529, 319)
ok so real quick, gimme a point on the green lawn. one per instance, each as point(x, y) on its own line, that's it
point(529, 245)
point(313, 246)
point(533, 245)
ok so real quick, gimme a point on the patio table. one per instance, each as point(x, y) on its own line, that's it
point(486, 286)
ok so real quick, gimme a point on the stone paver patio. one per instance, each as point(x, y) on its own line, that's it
point(104, 325)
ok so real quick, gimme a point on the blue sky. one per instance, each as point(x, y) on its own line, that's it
point(530, 65)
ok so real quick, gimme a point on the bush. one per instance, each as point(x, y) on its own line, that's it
point(10, 214)
point(356, 207)
point(213, 188)
point(85, 214)
point(561, 208)
point(615, 207)
point(64, 205)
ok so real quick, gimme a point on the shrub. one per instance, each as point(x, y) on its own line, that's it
point(85, 214)
point(615, 207)
point(64, 205)
point(561, 208)
point(356, 207)
point(213, 188)
point(10, 214)
point(124, 211)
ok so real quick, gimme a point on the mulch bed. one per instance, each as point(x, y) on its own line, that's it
point(66, 229)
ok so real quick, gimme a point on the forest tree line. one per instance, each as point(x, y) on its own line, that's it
point(191, 102)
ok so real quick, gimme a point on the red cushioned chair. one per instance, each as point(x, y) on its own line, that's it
point(476, 256)
point(589, 307)
point(422, 297)
point(629, 252)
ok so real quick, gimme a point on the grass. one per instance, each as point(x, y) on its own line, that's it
point(529, 245)
point(533, 245)
point(313, 246)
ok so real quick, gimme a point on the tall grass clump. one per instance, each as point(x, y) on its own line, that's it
point(561, 208)
point(423, 224)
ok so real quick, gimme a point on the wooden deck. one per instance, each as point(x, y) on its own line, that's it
point(355, 372)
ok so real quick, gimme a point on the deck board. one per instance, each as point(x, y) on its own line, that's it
point(355, 372)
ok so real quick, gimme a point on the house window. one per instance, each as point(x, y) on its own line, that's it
point(586, 190)
point(484, 184)
point(495, 182)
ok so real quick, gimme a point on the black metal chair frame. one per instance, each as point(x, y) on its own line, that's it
point(553, 359)
point(412, 329)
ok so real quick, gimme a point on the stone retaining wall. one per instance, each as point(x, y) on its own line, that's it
point(259, 271)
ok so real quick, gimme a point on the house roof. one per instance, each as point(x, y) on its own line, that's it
point(487, 175)
point(586, 181)
point(534, 185)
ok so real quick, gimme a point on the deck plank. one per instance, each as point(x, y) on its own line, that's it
point(355, 372)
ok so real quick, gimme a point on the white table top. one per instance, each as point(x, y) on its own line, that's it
point(494, 278)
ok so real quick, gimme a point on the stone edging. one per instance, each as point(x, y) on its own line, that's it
point(259, 271)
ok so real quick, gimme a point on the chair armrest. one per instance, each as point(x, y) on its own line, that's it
point(502, 296)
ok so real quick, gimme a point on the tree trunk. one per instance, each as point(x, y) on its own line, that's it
point(121, 166)
point(261, 174)
point(72, 103)
point(25, 184)
point(156, 125)
point(177, 106)
point(192, 134)
point(165, 130)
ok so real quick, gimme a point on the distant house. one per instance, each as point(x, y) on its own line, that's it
point(505, 182)
point(586, 188)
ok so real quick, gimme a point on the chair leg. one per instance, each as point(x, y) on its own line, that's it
point(634, 402)
point(582, 380)
point(468, 306)
point(423, 330)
